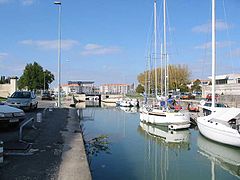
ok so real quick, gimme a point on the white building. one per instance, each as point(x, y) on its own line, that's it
point(7, 89)
point(79, 87)
point(115, 88)
point(228, 84)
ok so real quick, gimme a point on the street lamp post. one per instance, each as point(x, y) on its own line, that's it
point(44, 81)
point(58, 3)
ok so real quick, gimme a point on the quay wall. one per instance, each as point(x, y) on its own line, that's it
point(222, 89)
point(230, 100)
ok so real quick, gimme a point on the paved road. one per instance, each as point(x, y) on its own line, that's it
point(11, 133)
point(43, 155)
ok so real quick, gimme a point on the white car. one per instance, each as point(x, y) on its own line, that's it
point(10, 115)
point(25, 100)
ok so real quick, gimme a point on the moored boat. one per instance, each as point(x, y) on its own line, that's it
point(223, 123)
point(163, 114)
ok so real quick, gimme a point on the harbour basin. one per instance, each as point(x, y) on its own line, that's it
point(142, 151)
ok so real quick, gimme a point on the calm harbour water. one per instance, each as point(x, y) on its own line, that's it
point(137, 151)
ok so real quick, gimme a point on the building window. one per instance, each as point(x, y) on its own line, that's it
point(221, 81)
point(238, 80)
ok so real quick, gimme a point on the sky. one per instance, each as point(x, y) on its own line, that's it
point(107, 41)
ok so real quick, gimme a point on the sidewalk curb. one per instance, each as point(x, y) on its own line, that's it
point(74, 165)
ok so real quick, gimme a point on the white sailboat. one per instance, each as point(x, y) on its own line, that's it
point(164, 115)
point(223, 124)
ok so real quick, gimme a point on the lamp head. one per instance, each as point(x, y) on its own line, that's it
point(57, 2)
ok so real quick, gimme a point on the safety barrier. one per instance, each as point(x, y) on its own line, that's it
point(24, 123)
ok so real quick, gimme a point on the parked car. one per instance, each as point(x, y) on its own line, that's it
point(46, 96)
point(197, 94)
point(10, 115)
point(209, 96)
point(209, 104)
point(25, 100)
point(187, 96)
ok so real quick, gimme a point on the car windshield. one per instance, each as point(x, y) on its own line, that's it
point(21, 95)
point(216, 105)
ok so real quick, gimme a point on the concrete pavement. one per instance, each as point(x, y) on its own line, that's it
point(56, 149)
point(74, 165)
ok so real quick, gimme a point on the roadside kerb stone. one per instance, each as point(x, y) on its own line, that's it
point(74, 165)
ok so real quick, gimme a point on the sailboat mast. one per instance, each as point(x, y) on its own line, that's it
point(155, 44)
point(161, 70)
point(213, 51)
point(165, 44)
point(149, 76)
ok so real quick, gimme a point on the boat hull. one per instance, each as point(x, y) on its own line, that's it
point(170, 119)
point(218, 132)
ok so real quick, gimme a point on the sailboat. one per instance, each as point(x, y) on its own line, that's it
point(223, 124)
point(163, 115)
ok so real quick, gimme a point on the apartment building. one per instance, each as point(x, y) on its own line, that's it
point(228, 84)
point(116, 88)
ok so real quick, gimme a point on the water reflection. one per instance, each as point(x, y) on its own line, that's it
point(108, 105)
point(81, 105)
point(162, 148)
point(178, 139)
point(226, 157)
point(128, 109)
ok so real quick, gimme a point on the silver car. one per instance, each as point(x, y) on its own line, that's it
point(25, 100)
point(10, 115)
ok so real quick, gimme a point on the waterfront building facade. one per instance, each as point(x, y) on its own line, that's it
point(116, 88)
point(78, 87)
point(228, 84)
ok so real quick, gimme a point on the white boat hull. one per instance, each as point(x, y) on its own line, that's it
point(125, 104)
point(218, 132)
point(176, 120)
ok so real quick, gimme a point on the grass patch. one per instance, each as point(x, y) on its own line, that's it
point(3, 99)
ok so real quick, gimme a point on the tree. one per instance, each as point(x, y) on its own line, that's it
point(4, 80)
point(178, 77)
point(183, 88)
point(49, 78)
point(140, 88)
point(33, 77)
point(196, 86)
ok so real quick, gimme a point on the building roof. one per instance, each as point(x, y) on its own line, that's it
point(80, 82)
point(226, 76)
point(70, 85)
point(115, 85)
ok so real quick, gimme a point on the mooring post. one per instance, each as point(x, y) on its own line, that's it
point(99, 100)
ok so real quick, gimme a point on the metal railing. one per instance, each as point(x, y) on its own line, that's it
point(24, 123)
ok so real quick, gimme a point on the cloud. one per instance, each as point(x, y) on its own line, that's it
point(50, 44)
point(208, 45)
point(206, 28)
point(96, 49)
point(27, 2)
point(3, 55)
